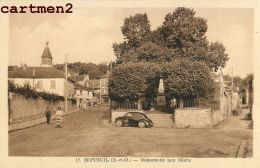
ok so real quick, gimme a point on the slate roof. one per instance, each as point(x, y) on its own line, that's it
point(46, 52)
point(105, 76)
point(79, 87)
point(94, 83)
point(36, 72)
point(77, 78)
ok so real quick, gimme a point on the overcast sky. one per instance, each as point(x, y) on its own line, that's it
point(88, 34)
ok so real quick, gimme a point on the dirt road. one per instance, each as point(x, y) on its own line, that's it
point(84, 135)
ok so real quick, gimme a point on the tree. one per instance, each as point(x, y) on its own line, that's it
point(182, 78)
point(12, 67)
point(179, 50)
point(248, 83)
point(217, 56)
point(133, 81)
point(181, 28)
point(182, 35)
point(135, 29)
point(185, 79)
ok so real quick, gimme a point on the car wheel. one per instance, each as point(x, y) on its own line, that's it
point(141, 124)
point(119, 123)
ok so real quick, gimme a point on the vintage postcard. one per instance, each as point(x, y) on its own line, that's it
point(114, 83)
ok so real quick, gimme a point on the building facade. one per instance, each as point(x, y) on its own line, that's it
point(104, 99)
point(44, 78)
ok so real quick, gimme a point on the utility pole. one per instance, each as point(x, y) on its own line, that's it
point(100, 90)
point(232, 85)
point(66, 83)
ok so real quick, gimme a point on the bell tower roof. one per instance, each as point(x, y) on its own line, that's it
point(46, 56)
point(46, 52)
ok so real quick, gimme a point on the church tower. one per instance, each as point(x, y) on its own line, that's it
point(46, 56)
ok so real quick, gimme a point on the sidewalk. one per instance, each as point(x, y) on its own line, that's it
point(238, 123)
point(22, 125)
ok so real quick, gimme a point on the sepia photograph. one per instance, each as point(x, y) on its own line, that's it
point(146, 84)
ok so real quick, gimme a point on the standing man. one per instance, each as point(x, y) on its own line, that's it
point(48, 115)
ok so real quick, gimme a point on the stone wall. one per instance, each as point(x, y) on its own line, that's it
point(26, 109)
point(162, 120)
point(193, 118)
point(26, 124)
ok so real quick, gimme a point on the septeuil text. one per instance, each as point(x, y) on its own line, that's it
point(67, 8)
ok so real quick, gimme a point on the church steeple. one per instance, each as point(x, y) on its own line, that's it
point(46, 56)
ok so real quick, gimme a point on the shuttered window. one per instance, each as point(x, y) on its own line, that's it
point(53, 84)
point(39, 84)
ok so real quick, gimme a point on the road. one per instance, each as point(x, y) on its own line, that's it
point(84, 135)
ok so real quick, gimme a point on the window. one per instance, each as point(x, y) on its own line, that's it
point(129, 115)
point(137, 116)
point(27, 83)
point(53, 84)
point(39, 84)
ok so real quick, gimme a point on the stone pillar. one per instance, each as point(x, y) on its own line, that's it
point(139, 105)
point(181, 102)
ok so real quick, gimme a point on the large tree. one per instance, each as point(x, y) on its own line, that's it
point(182, 79)
point(133, 80)
point(186, 79)
point(179, 47)
point(135, 30)
point(182, 35)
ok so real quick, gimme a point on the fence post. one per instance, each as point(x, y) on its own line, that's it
point(139, 107)
point(181, 102)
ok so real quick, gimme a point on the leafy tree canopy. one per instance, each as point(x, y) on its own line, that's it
point(132, 80)
point(182, 78)
point(185, 79)
point(182, 35)
point(241, 83)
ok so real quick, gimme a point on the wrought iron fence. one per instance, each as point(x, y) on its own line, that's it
point(124, 105)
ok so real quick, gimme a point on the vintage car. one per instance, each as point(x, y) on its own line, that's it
point(134, 119)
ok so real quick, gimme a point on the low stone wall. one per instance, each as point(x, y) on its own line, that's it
point(159, 120)
point(27, 109)
point(193, 118)
point(162, 120)
point(27, 124)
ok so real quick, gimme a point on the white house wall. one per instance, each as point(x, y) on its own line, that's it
point(83, 94)
point(46, 84)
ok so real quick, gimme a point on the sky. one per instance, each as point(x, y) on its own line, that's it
point(87, 35)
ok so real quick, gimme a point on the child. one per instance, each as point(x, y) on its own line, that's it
point(59, 114)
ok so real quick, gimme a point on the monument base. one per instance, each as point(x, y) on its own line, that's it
point(161, 100)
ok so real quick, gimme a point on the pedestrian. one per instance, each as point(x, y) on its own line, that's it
point(59, 114)
point(48, 115)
